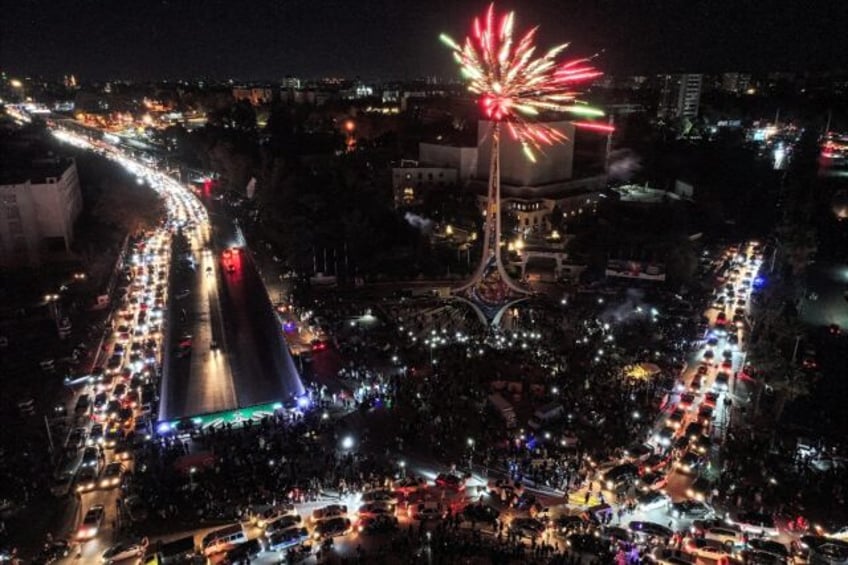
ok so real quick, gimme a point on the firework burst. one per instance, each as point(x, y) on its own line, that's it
point(514, 86)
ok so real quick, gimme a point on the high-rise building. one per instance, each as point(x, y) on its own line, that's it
point(680, 95)
point(291, 82)
point(38, 206)
point(736, 83)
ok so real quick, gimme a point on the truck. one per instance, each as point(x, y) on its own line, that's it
point(504, 409)
point(546, 415)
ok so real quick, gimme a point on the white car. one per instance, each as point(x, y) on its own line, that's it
point(708, 549)
point(126, 550)
point(653, 500)
point(727, 536)
point(755, 523)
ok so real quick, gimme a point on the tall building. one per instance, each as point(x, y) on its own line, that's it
point(38, 206)
point(291, 82)
point(736, 83)
point(680, 96)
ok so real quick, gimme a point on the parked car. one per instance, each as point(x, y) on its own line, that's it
point(755, 523)
point(692, 509)
point(125, 550)
point(331, 527)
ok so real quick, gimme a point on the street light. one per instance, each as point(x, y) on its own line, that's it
point(347, 442)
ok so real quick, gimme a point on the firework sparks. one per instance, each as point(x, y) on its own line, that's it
point(514, 86)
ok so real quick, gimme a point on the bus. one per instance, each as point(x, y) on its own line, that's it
point(223, 539)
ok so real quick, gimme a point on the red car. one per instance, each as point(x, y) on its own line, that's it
point(450, 481)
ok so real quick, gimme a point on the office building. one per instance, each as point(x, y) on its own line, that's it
point(680, 96)
point(38, 207)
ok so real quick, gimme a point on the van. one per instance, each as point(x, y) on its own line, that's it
point(223, 539)
point(177, 551)
point(503, 408)
point(546, 415)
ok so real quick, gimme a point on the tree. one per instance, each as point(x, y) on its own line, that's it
point(790, 387)
point(129, 208)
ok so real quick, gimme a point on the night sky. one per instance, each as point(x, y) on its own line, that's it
point(256, 39)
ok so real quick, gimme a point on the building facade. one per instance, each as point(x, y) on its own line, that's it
point(257, 96)
point(38, 208)
point(412, 180)
point(680, 96)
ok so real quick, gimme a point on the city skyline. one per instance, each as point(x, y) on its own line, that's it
point(399, 39)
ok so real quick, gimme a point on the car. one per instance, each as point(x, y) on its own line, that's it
point(705, 415)
point(60, 484)
point(273, 513)
point(481, 513)
point(769, 546)
point(376, 509)
point(331, 527)
point(83, 403)
point(620, 475)
point(331, 511)
point(380, 495)
point(281, 540)
point(450, 481)
point(755, 523)
point(95, 436)
point(701, 525)
point(377, 524)
point(86, 480)
point(569, 523)
point(111, 475)
point(675, 419)
point(692, 509)
point(652, 481)
point(426, 511)
point(700, 489)
point(726, 535)
point(710, 399)
point(76, 439)
point(409, 485)
point(527, 528)
point(721, 319)
point(687, 399)
point(125, 550)
point(283, 523)
point(695, 385)
point(91, 522)
point(505, 489)
point(122, 451)
point(664, 436)
point(693, 431)
point(689, 463)
point(654, 463)
point(702, 445)
point(637, 453)
point(650, 531)
point(90, 457)
point(708, 549)
point(652, 500)
point(115, 433)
